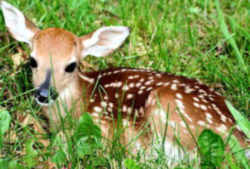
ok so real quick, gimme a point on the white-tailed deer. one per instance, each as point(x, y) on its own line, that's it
point(141, 97)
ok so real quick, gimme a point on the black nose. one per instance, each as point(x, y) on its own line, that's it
point(43, 95)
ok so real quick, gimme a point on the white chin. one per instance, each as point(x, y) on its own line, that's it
point(44, 104)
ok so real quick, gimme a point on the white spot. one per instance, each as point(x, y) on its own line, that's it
point(149, 82)
point(183, 124)
point(111, 104)
point(106, 113)
point(172, 124)
point(211, 89)
point(202, 91)
point(131, 85)
point(125, 88)
point(203, 107)
point(151, 77)
point(125, 122)
point(159, 84)
point(95, 114)
point(99, 76)
point(143, 87)
point(211, 98)
point(141, 111)
point(209, 121)
point(136, 112)
point(118, 84)
point(196, 87)
point(216, 109)
point(158, 75)
point(92, 100)
point(103, 104)
point(142, 80)
point(140, 92)
point(179, 95)
point(124, 108)
point(187, 116)
point(181, 107)
point(130, 77)
point(110, 109)
point(97, 109)
point(208, 115)
point(196, 99)
point(107, 85)
point(201, 96)
point(116, 95)
point(204, 100)
point(191, 126)
point(180, 104)
point(150, 88)
point(188, 90)
point(223, 118)
point(174, 87)
point(209, 118)
point(116, 71)
point(130, 96)
point(138, 84)
point(123, 70)
point(166, 84)
point(136, 76)
point(129, 110)
point(176, 81)
point(106, 97)
point(222, 128)
point(196, 105)
point(230, 120)
point(201, 123)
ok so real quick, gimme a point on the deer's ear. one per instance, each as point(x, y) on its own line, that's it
point(20, 28)
point(103, 41)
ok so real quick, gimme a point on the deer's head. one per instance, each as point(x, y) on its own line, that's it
point(57, 52)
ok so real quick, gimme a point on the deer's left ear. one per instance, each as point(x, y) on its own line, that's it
point(103, 41)
point(20, 27)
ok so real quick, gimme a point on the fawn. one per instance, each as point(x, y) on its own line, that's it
point(141, 97)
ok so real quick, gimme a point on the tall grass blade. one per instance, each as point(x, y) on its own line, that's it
point(243, 123)
point(224, 30)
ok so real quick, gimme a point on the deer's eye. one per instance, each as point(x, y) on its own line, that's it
point(33, 63)
point(71, 67)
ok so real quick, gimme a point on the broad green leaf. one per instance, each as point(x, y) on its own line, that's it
point(30, 157)
point(87, 128)
point(87, 146)
point(4, 164)
point(131, 164)
point(87, 136)
point(211, 148)
point(243, 123)
point(15, 165)
point(59, 157)
point(4, 121)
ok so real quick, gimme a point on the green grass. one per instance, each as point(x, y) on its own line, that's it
point(199, 39)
